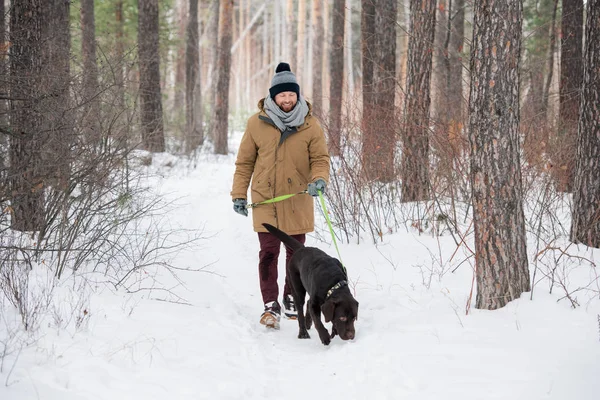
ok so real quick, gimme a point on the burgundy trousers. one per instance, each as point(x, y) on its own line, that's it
point(267, 265)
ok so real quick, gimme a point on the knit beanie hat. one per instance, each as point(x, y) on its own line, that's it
point(284, 80)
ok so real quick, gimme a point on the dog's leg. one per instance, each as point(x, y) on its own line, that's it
point(308, 315)
point(299, 294)
point(316, 316)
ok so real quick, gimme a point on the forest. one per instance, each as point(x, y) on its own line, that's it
point(479, 119)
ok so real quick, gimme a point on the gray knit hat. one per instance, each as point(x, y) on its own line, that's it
point(284, 80)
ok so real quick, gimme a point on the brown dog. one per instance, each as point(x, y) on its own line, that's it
point(324, 278)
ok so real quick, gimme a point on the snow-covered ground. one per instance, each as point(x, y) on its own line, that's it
point(413, 338)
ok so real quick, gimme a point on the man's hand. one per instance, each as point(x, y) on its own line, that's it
point(317, 186)
point(239, 206)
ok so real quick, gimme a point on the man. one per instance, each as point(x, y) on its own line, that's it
point(283, 151)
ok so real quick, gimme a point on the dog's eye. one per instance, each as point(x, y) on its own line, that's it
point(343, 319)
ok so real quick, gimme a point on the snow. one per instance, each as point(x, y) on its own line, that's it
point(413, 339)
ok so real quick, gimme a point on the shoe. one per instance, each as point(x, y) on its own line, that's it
point(289, 307)
point(270, 317)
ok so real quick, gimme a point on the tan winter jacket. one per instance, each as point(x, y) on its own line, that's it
point(280, 165)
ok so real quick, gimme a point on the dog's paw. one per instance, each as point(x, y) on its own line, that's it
point(303, 335)
point(325, 339)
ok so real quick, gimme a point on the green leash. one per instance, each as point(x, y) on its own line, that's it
point(330, 228)
point(276, 199)
point(321, 198)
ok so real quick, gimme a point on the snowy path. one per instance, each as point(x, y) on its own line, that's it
point(412, 342)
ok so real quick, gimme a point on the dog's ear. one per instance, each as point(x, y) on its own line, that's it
point(327, 309)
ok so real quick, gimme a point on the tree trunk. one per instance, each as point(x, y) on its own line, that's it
point(571, 76)
point(193, 118)
point(317, 65)
point(585, 227)
point(291, 35)
point(336, 68)
point(454, 83)
point(26, 68)
point(180, 65)
point(91, 108)
point(153, 138)
point(213, 37)
point(57, 120)
point(368, 44)
point(500, 242)
point(348, 64)
point(415, 155)
point(301, 45)
point(223, 70)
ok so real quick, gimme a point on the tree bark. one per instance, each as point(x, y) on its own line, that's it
point(317, 65)
point(415, 155)
point(91, 108)
point(213, 37)
point(571, 76)
point(192, 82)
point(301, 45)
point(223, 70)
point(291, 35)
point(500, 243)
point(54, 107)
point(585, 227)
point(179, 86)
point(454, 83)
point(26, 68)
point(336, 68)
point(153, 138)
point(368, 44)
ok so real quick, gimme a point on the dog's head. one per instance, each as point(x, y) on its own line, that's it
point(341, 311)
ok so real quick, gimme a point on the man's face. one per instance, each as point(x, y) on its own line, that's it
point(286, 100)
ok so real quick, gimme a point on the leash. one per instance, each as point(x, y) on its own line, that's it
point(276, 199)
point(322, 199)
point(331, 228)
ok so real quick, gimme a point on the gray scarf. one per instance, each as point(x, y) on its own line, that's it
point(283, 119)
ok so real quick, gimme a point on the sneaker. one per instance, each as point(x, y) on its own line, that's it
point(289, 307)
point(270, 317)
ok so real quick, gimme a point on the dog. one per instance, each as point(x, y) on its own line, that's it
point(324, 278)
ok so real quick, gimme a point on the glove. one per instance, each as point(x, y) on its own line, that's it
point(317, 186)
point(239, 206)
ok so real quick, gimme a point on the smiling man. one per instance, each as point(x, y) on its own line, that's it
point(283, 151)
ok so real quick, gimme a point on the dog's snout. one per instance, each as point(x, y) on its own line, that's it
point(350, 335)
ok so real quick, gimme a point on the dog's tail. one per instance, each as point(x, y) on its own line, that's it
point(284, 237)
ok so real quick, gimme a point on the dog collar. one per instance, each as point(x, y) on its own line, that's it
point(335, 287)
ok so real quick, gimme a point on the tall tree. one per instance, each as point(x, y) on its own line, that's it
point(193, 100)
point(585, 227)
point(213, 38)
point(571, 76)
point(223, 71)
point(500, 242)
point(180, 65)
point(415, 154)
point(317, 65)
point(55, 83)
point(291, 35)
point(26, 68)
point(90, 71)
point(367, 23)
point(336, 71)
point(301, 45)
point(153, 138)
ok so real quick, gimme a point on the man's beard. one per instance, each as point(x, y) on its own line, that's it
point(287, 107)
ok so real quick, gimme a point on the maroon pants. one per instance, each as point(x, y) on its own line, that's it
point(267, 265)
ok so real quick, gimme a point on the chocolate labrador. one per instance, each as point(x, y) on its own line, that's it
point(324, 278)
